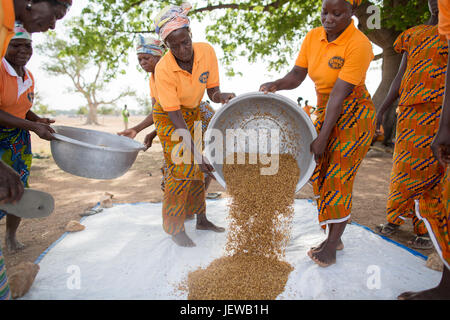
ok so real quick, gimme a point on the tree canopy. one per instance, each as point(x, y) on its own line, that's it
point(267, 29)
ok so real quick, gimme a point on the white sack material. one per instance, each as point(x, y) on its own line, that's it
point(125, 254)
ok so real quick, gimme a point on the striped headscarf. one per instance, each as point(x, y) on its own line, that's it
point(354, 3)
point(172, 18)
point(20, 32)
point(150, 45)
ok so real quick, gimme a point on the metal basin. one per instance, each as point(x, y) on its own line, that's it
point(93, 154)
point(260, 113)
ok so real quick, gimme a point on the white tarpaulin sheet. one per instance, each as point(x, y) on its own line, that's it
point(124, 254)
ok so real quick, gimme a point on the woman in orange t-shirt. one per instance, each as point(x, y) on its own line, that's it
point(182, 77)
point(336, 56)
point(16, 119)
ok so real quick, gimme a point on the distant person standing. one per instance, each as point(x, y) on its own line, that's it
point(125, 115)
point(308, 109)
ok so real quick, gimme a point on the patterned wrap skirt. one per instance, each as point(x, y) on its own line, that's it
point(416, 174)
point(15, 151)
point(348, 144)
point(184, 191)
point(436, 215)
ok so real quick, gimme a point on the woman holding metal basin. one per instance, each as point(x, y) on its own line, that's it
point(149, 51)
point(16, 118)
point(182, 76)
point(336, 56)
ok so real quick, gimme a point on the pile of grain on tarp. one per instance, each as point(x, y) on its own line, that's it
point(260, 214)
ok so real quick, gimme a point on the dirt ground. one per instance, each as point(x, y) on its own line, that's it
point(73, 195)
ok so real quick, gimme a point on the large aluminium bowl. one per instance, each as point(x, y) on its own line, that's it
point(93, 154)
point(257, 111)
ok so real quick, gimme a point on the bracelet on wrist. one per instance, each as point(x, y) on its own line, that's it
point(215, 95)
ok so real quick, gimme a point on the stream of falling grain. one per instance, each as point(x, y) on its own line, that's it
point(260, 216)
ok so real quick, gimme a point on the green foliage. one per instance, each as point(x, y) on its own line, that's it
point(269, 30)
point(145, 105)
point(82, 111)
point(107, 110)
point(40, 108)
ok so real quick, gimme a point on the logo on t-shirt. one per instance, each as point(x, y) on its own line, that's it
point(30, 96)
point(336, 62)
point(204, 77)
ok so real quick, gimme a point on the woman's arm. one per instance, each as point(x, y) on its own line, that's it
point(44, 131)
point(32, 116)
point(132, 132)
point(441, 142)
point(290, 81)
point(393, 93)
point(178, 121)
point(217, 96)
point(11, 187)
point(340, 91)
point(35, 118)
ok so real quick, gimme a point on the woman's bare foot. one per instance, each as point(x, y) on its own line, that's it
point(183, 240)
point(431, 294)
point(325, 257)
point(441, 292)
point(12, 244)
point(204, 224)
point(339, 247)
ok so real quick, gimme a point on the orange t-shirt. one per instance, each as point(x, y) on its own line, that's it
point(7, 18)
point(347, 58)
point(444, 18)
point(178, 88)
point(153, 93)
point(16, 95)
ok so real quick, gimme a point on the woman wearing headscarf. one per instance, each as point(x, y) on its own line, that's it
point(182, 77)
point(36, 16)
point(436, 222)
point(16, 118)
point(336, 56)
point(149, 51)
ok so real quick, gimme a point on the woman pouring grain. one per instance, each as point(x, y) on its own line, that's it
point(182, 76)
point(149, 51)
point(336, 56)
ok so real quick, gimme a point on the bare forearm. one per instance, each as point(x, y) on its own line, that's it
point(9, 120)
point(445, 115)
point(180, 124)
point(292, 80)
point(394, 90)
point(340, 91)
point(147, 122)
point(32, 116)
point(332, 115)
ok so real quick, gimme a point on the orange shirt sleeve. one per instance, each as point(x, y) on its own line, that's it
point(444, 18)
point(302, 58)
point(213, 79)
point(356, 62)
point(152, 87)
point(167, 91)
point(401, 44)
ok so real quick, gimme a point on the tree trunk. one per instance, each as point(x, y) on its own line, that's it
point(383, 38)
point(92, 115)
